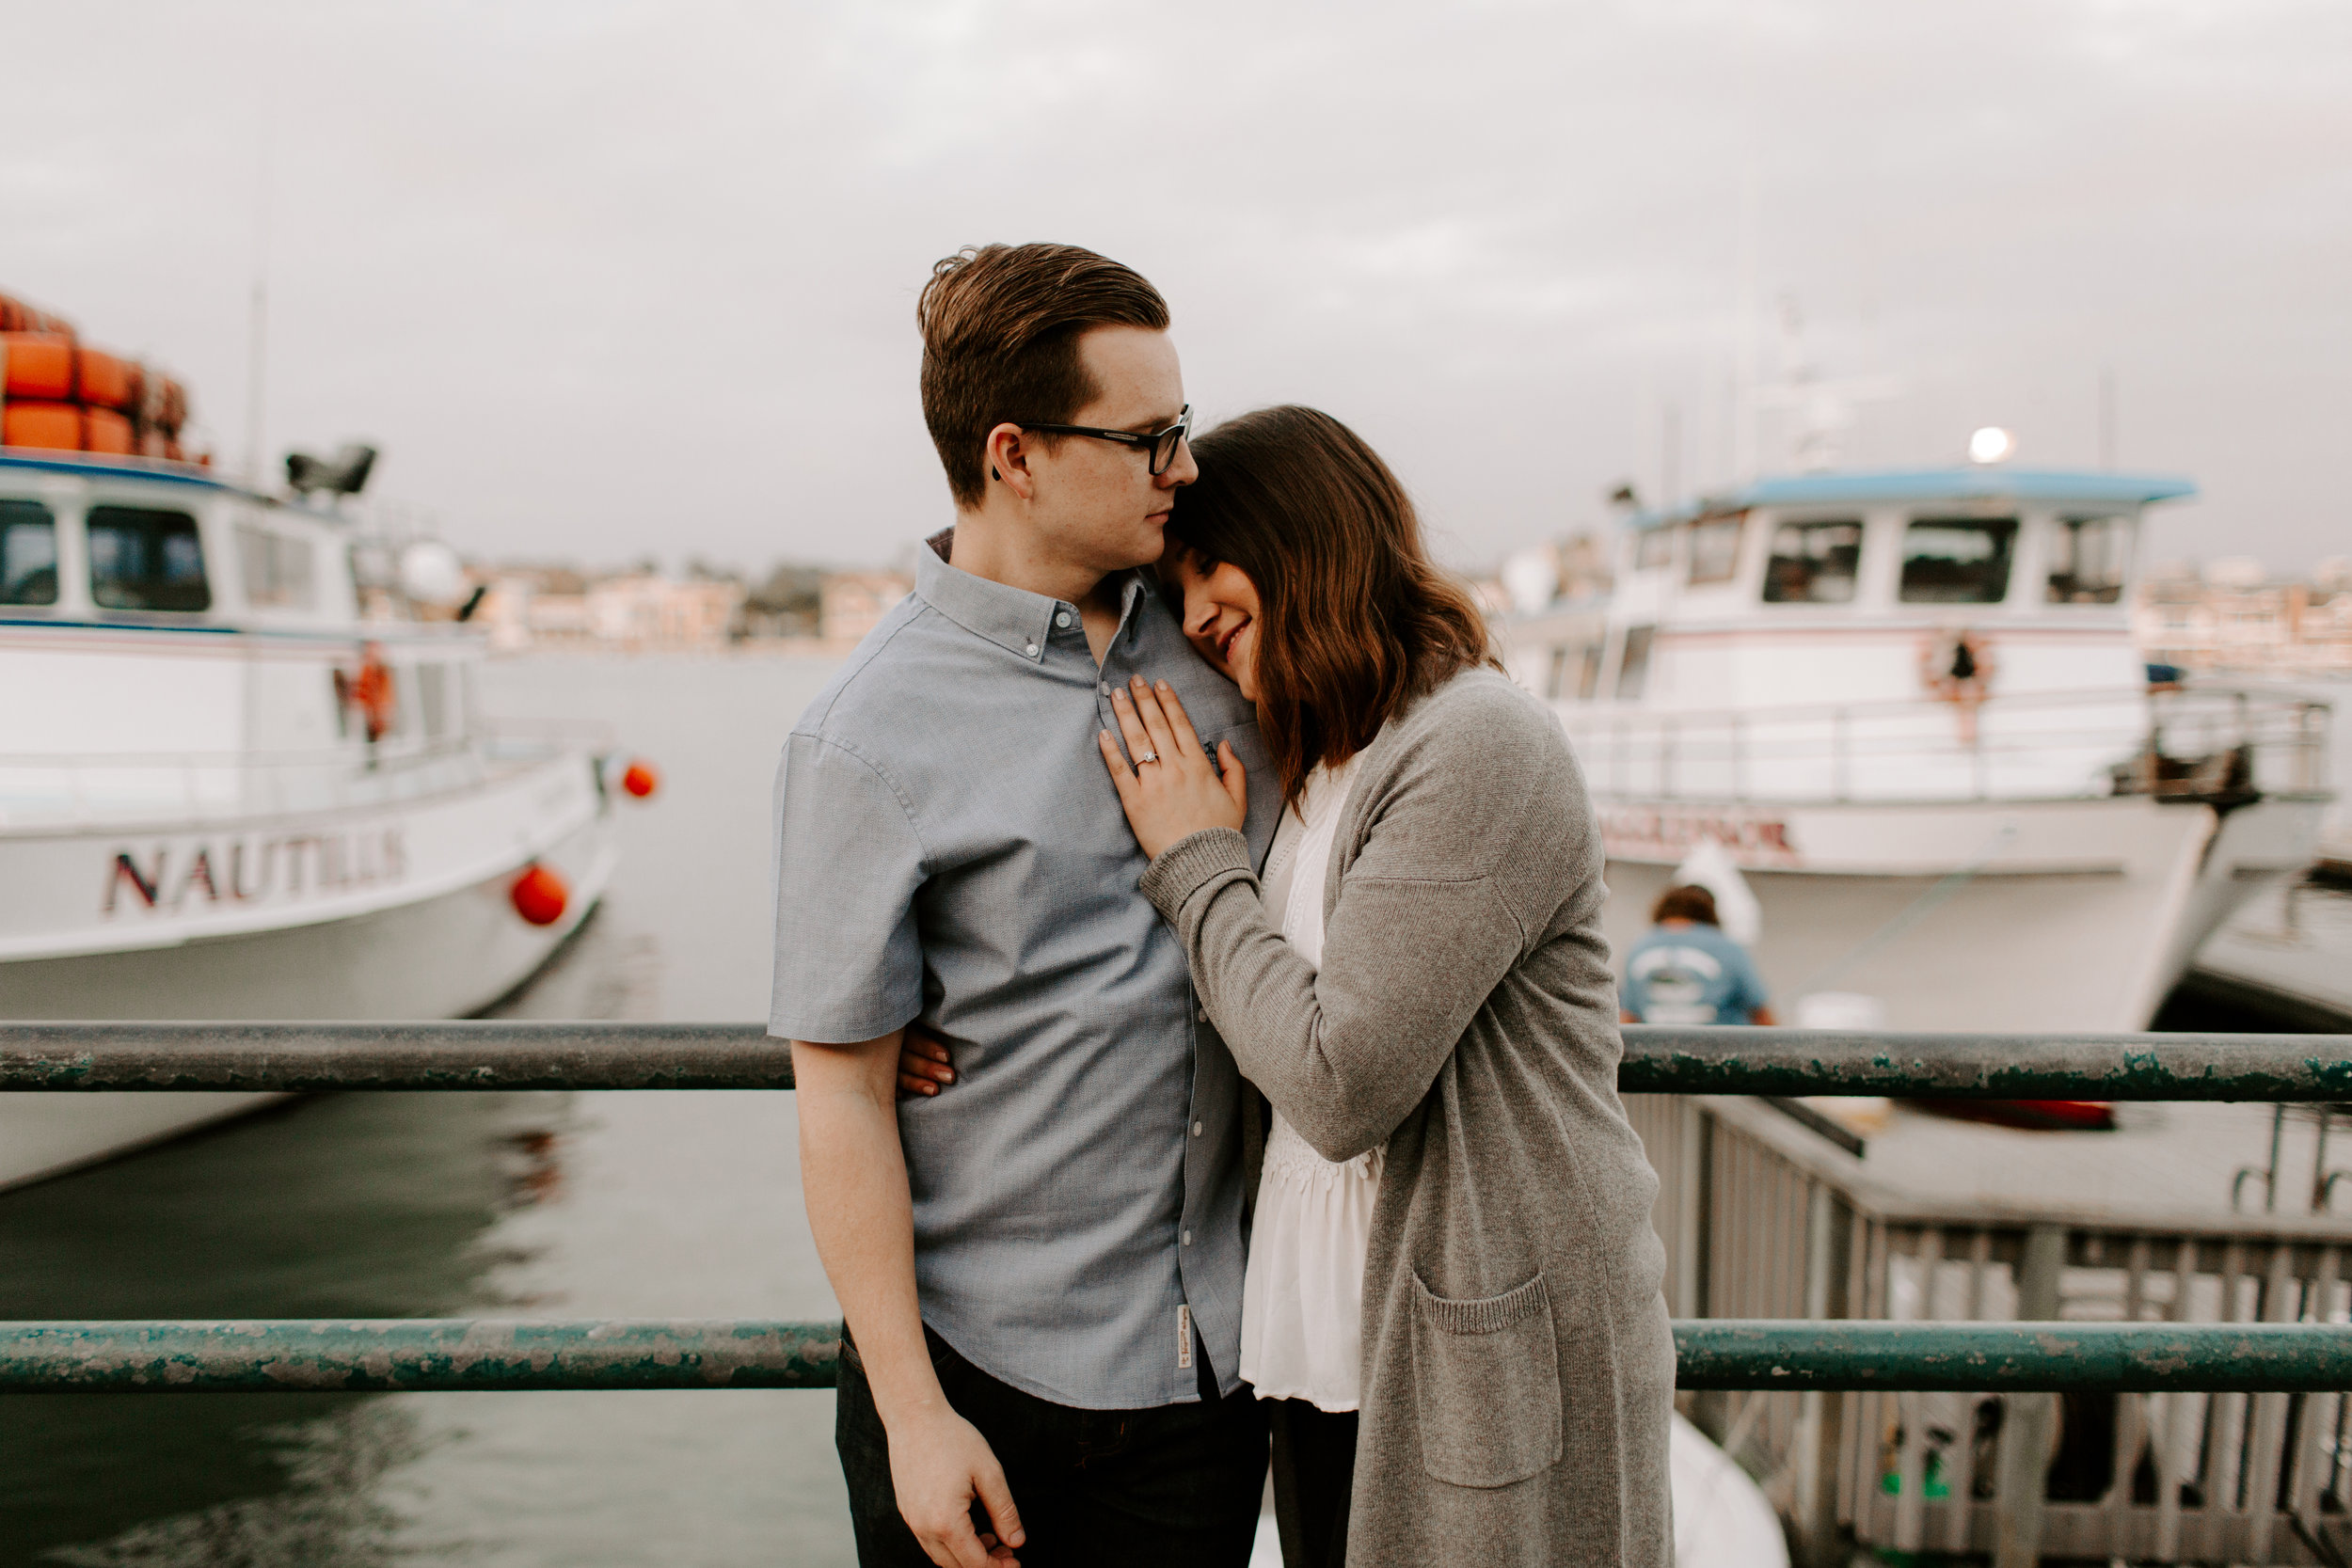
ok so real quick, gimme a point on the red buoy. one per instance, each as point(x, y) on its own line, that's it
point(641, 780)
point(539, 895)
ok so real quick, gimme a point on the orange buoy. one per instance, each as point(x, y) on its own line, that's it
point(103, 429)
point(54, 425)
point(539, 895)
point(639, 779)
point(104, 380)
point(40, 365)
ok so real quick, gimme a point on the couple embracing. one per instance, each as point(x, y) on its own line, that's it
point(1232, 928)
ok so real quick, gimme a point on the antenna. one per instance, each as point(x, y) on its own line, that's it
point(1743, 374)
point(257, 347)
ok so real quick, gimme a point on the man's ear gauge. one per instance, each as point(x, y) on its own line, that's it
point(993, 474)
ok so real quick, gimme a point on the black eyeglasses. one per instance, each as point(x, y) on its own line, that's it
point(1160, 444)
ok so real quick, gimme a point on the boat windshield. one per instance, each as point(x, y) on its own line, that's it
point(2089, 560)
point(28, 553)
point(1957, 560)
point(144, 558)
point(1813, 563)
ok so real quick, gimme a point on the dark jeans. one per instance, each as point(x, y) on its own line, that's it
point(1314, 1469)
point(1179, 1484)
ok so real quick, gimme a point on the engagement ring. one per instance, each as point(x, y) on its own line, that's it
point(1147, 756)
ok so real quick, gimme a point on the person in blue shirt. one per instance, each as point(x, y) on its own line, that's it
point(1686, 971)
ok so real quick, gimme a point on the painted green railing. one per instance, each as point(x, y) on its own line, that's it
point(428, 1355)
point(355, 1356)
point(304, 1057)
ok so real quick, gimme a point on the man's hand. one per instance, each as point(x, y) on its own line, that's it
point(853, 1174)
point(939, 1464)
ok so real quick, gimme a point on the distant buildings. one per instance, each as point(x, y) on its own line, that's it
point(643, 611)
point(2231, 616)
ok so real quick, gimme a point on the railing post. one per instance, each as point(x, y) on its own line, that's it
point(1840, 780)
point(1821, 1417)
point(2021, 1487)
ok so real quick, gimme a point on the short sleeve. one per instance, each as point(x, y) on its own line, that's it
point(1751, 994)
point(848, 862)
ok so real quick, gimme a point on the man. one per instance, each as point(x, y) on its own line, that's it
point(1042, 1271)
point(1684, 969)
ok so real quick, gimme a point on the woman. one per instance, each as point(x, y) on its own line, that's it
point(1420, 985)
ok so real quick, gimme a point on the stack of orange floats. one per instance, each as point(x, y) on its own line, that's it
point(59, 393)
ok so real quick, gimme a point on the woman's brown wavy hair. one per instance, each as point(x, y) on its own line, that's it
point(1354, 620)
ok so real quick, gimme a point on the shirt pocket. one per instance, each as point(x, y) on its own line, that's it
point(1487, 1378)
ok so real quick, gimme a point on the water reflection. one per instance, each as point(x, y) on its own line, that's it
point(363, 1205)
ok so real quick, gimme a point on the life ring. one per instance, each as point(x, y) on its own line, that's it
point(1957, 668)
point(370, 690)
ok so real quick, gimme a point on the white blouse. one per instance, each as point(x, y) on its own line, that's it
point(1302, 1297)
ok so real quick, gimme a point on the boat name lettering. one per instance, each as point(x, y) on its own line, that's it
point(252, 869)
point(1643, 831)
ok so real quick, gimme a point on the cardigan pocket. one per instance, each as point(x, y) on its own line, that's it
point(1487, 1381)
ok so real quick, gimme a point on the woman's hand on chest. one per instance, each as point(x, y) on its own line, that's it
point(1166, 783)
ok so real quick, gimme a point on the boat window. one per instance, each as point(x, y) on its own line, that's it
point(28, 553)
point(1653, 547)
point(144, 558)
point(278, 568)
point(1813, 563)
point(433, 699)
point(1714, 549)
point(1575, 671)
point(1957, 560)
point(2089, 558)
point(1633, 664)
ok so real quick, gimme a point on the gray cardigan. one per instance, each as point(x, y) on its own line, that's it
point(1518, 1368)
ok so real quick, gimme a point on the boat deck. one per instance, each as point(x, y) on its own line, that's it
point(2288, 953)
point(2164, 1166)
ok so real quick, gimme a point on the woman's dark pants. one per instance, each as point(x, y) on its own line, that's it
point(1179, 1484)
point(1314, 1468)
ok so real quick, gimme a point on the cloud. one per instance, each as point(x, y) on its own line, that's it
point(612, 276)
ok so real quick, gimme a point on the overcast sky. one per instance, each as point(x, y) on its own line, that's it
point(616, 277)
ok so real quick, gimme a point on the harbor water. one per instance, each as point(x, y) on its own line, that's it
point(516, 1204)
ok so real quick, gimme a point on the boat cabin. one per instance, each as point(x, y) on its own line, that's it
point(172, 641)
point(1864, 587)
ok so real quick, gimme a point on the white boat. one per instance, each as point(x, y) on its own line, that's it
point(1909, 707)
point(225, 794)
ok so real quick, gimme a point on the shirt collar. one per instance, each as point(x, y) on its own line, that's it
point(1013, 618)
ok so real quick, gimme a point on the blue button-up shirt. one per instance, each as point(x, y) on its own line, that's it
point(949, 849)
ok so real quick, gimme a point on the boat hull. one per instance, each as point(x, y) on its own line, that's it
point(449, 952)
point(1996, 916)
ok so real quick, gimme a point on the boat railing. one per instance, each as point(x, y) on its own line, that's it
point(93, 788)
point(2221, 744)
point(1921, 1379)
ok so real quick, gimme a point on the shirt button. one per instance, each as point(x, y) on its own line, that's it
point(1196, 1129)
point(1032, 650)
point(1201, 1015)
point(1188, 1238)
point(1103, 687)
point(1061, 618)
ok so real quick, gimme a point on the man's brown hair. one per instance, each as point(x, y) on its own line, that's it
point(1685, 901)
point(1001, 325)
point(1354, 618)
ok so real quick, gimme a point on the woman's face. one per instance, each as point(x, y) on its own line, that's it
point(1220, 613)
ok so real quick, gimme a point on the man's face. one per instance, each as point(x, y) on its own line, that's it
point(1097, 503)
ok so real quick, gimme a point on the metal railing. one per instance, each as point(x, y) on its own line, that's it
point(2180, 744)
point(1659, 1059)
point(1836, 1399)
